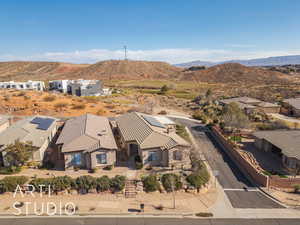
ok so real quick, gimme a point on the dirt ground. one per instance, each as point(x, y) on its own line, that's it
point(286, 197)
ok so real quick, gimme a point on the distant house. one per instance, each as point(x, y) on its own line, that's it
point(87, 142)
point(59, 85)
point(80, 87)
point(284, 143)
point(149, 137)
point(28, 85)
point(250, 105)
point(293, 106)
point(39, 130)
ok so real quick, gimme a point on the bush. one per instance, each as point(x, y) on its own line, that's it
point(49, 98)
point(42, 184)
point(118, 183)
point(200, 175)
point(204, 214)
point(296, 188)
point(163, 112)
point(109, 167)
point(10, 170)
point(85, 183)
point(78, 106)
point(150, 183)
point(103, 184)
point(61, 105)
point(10, 183)
point(171, 182)
point(62, 183)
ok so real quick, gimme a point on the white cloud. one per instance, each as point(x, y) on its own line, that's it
point(167, 55)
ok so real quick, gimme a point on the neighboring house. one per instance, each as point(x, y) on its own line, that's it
point(28, 85)
point(4, 123)
point(293, 106)
point(249, 105)
point(87, 142)
point(284, 143)
point(80, 87)
point(59, 85)
point(39, 130)
point(143, 135)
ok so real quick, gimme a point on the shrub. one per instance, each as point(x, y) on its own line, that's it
point(61, 105)
point(10, 170)
point(101, 112)
point(200, 175)
point(85, 183)
point(204, 214)
point(42, 184)
point(22, 93)
point(118, 183)
point(93, 170)
point(103, 184)
point(163, 112)
point(49, 98)
point(109, 167)
point(62, 183)
point(78, 106)
point(296, 188)
point(10, 183)
point(150, 183)
point(171, 182)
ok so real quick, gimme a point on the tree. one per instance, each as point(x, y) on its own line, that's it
point(150, 183)
point(118, 183)
point(18, 153)
point(234, 117)
point(103, 183)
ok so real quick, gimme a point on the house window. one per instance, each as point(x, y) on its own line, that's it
point(177, 155)
point(101, 158)
point(76, 159)
point(153, 156)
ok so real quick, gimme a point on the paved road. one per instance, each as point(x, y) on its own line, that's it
point(230, 177)
point(146, 221)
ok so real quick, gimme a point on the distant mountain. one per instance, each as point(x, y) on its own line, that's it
point(270, 61)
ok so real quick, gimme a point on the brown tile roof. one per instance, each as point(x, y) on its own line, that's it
point(134, 127)
point(86, 133)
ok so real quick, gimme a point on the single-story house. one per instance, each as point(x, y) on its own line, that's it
point(144, 135)
point(87, 142)
point(284, 143)
point(293, 106)
point(39, 130)
point(249, 105)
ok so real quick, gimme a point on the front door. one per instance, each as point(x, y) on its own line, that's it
point(133, 149)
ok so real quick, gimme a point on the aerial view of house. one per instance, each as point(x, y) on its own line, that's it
point(293, 106)
point(39, 130)
point(284, 143)
point(250, 104)
point(87, 142)
point(146, 136)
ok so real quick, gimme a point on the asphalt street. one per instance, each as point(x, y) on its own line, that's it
point(233, 181)
point(145, 221)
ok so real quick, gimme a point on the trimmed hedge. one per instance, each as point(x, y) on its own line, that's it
point(9, 184)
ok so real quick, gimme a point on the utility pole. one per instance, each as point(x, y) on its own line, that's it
point(125, 52)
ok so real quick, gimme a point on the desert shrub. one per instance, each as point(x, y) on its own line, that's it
point(6, 98)
point(79, 106)
point(10, 170)
point(199, 176)
point(296, 188)
point(61, 105)
point(101, 112)
point(163, 112)
point(49, 98)
point(150, 183)
point(118, 183)
point(91, 99)
point(22, 93)
point(85, 183)
point(204, 214)
point(41, 184)
point(171, 182)
point(26, 97)
point(62, 183)
point(108, 167)
point(10, 183)
point(103, 183)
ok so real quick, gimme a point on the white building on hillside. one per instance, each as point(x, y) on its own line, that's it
point(59, 85)
point(28, 85)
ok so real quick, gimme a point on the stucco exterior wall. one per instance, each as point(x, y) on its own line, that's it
point(110, 158)
point(185, 156)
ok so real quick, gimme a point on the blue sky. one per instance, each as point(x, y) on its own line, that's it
point(86, 31)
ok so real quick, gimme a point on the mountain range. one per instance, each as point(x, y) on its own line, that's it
point(270, 61)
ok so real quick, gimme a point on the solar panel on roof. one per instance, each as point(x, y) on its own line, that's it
point(152, 121)
point(43, 123)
